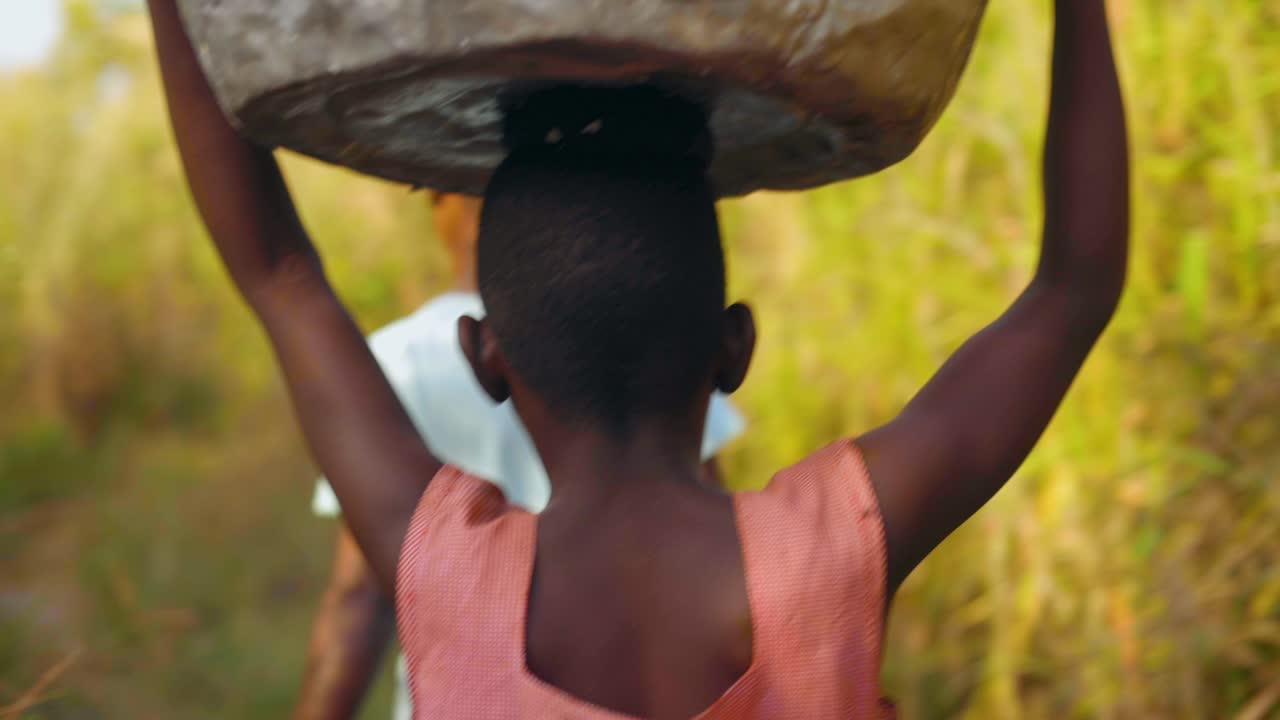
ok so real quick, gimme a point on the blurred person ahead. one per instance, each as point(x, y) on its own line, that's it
point(420, 356)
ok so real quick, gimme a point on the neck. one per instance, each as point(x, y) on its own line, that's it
point(590, 469)
point(464, 279)
point(463, 262)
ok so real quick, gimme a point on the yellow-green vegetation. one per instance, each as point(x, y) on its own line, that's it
point(157, 552)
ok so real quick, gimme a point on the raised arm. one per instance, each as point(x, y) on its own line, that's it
point(969, 429)
point(355, 426)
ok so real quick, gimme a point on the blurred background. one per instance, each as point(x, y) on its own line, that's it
point(158, 556)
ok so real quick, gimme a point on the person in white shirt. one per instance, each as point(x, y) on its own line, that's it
point(422, 359)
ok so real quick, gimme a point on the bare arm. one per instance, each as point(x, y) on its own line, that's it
point(970, 428)
point(355, 426)
point(348, 637)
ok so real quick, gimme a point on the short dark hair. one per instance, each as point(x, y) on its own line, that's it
point(599, 258)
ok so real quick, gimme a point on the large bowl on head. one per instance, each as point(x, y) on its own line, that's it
point(800, 93)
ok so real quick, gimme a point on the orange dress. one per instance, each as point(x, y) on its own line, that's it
point(814, 557)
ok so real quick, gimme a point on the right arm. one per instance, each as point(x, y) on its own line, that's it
point(348, 637)
point(356, 617)
point(356, 428)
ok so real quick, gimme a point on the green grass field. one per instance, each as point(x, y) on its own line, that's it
point(157, 554)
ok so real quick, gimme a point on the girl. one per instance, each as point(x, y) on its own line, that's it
point(639, 591)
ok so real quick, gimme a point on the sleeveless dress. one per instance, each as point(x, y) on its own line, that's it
point(814, 557)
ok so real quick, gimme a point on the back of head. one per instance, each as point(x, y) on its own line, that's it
point(599, 257)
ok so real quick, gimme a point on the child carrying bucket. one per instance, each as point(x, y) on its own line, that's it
point(640, 592)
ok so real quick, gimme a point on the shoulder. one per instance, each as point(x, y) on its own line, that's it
point(831, 487)
point(433, 321)
point(465, 554)
point(457, 514)
point(815, 532)
point(839, 463)
point(443, 311)
point(455, 495)
point(454, 506)
point(430, 331)
point(724, 424)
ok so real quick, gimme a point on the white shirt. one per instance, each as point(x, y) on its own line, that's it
point(423, 361)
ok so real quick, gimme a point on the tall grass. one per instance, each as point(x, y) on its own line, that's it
point(1132, 569)
point(153, 493)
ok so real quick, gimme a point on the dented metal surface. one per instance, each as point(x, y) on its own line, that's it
point(801, 92)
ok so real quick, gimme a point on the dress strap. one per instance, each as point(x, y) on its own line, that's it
point(813, 544)
point(463, 564)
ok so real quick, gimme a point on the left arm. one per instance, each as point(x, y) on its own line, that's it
point(971, 426)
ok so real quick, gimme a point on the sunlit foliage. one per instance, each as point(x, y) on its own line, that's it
point(154, 524)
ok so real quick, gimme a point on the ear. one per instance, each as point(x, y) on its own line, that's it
point(486, 360)
point(737, 345)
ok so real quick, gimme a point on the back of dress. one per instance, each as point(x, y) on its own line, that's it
point(814, 557)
